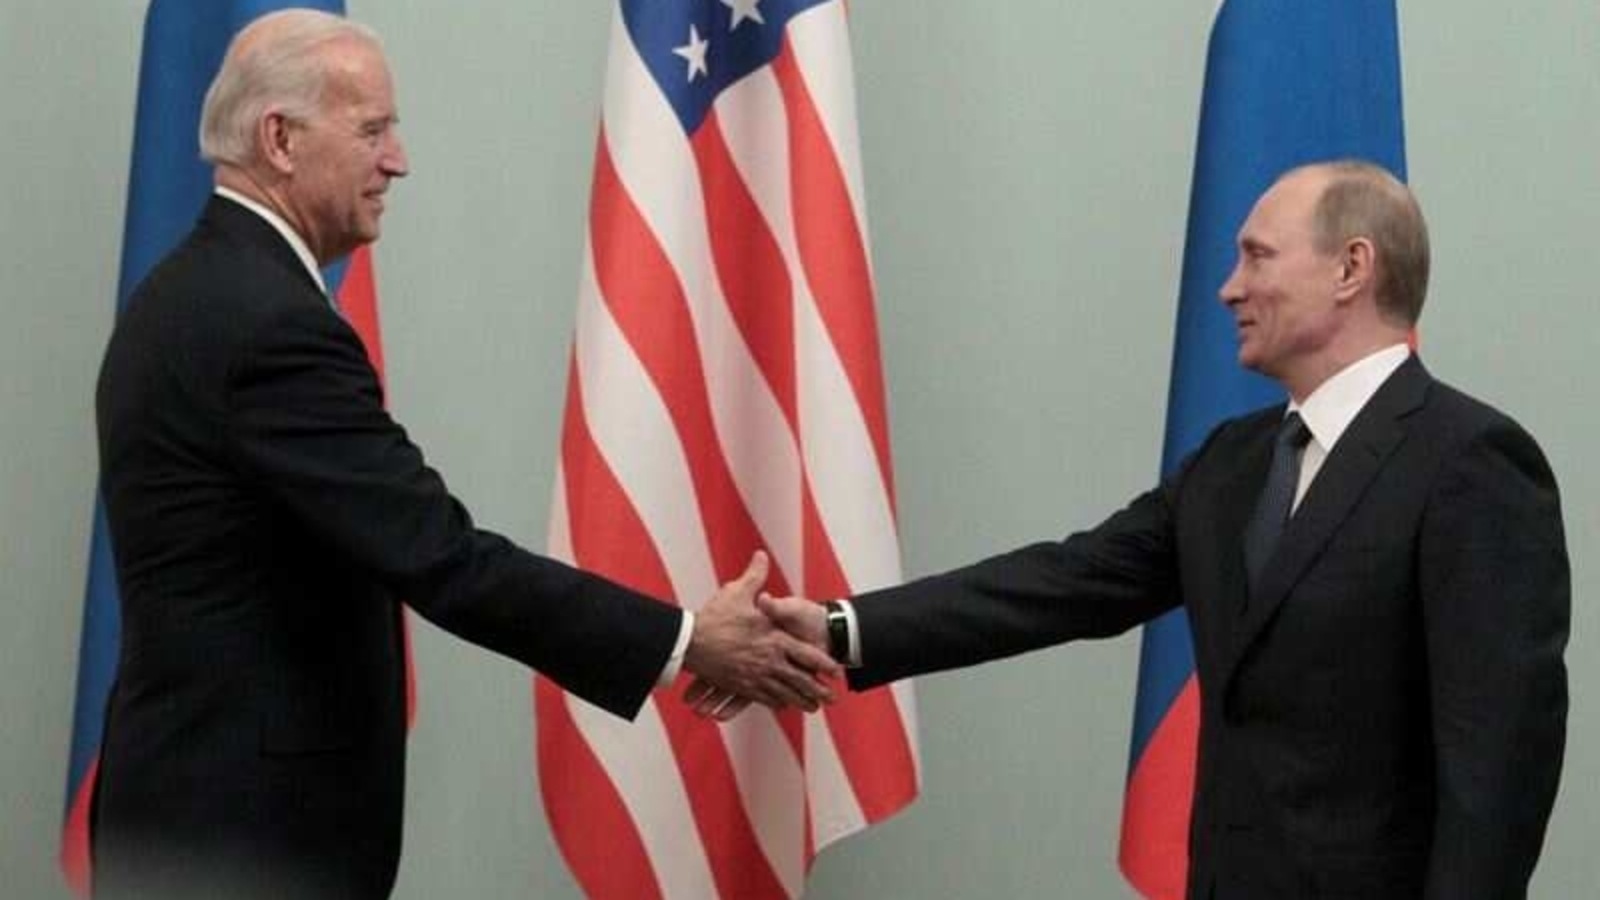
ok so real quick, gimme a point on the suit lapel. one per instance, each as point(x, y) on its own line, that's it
point(1346, 474)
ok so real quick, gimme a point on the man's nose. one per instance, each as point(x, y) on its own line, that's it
point(393, 161)
point(1231, 292)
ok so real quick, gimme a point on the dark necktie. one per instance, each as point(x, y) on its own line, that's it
point(1277, 497)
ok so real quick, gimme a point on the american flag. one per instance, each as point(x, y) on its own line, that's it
point(725, 393)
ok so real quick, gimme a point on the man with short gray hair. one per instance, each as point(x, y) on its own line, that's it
point(268, 516)
point(1375, 574)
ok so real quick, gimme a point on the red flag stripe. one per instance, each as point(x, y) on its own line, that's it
point(610, 853)
point(862, 516)
point(868, 732)
point(756, 286)
point(608, 537)
point(358, 303)
point(820, 44)
point(745, 254)
point(579, 800)
point(750, 267)
point(883, 746)
point(74, 858)
point(712, 168)
point(878, 755)
point(738, 860)
point(834, 257)
point(1154, 847)
point(659, 171)
point(641, 288)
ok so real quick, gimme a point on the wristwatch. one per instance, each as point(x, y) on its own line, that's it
point(838, 632)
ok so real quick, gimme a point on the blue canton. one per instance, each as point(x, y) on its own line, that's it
point(658, 28)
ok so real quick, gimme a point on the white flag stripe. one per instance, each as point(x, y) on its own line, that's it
point(630, 754)
point(658, 171)
point(627, 415)
point(674, 520)
point(836, 813)
point(774, 795)
point(754, 130)
point(834, 810)
point(820, 41)
point(770, 188)
point(633, 754)
point(558, 534)
point(851, 497)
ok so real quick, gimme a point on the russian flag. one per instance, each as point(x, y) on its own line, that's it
point(1285, 84)
point(168, 183)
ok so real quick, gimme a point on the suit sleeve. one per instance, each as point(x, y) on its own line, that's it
point(1093, 584)
point(1496, 602)
point(306, 425)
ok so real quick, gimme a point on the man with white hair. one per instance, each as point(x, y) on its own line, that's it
point(268, 516)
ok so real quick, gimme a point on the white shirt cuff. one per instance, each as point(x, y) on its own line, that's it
point(853, 653)
point(674, 665)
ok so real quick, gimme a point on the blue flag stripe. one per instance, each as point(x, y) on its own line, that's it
point(1286, 84)
point(184, 41)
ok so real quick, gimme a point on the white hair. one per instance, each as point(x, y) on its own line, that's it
point(284, 70)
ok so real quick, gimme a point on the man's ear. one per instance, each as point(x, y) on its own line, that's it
point(1358, 261)
point(275, 136)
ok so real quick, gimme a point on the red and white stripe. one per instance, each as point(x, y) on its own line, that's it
point(726, 393)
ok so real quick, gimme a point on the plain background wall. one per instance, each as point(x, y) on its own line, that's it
point(1027, 170)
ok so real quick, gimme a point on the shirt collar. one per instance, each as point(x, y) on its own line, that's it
point(296, 243)
point(1335, 403)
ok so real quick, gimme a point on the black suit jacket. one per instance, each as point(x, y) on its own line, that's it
point(1386, 717)
point(266, 515)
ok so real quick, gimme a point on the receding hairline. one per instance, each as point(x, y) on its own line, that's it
point(1391, 219)
point(1336, 171)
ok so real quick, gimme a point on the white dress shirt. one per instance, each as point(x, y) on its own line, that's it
point(1334, 405)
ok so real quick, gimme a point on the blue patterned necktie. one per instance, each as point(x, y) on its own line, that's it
point(1277, 497)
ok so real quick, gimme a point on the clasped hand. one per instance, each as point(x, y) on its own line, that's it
point(748, 648)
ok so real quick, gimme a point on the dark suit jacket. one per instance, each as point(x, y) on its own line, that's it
point(1386, 718)
point(266, 515)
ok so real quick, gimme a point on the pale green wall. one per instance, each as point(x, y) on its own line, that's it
point(1027, 171)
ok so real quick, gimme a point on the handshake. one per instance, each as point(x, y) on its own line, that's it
point(748, 646)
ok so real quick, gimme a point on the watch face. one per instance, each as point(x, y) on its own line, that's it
point(838, 633)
